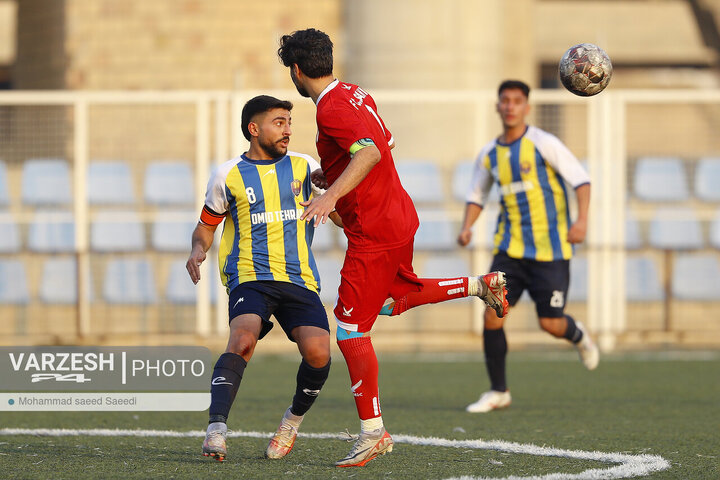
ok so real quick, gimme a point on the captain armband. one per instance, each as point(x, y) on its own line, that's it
point(210, 217)
point(360, 144)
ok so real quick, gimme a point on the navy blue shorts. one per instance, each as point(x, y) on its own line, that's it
point(546, 282)
point(292, 305)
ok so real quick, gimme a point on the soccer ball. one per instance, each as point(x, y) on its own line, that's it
point(585, 69)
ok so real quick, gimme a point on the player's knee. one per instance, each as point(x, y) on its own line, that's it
point(242, 343)
point(317, 357)
point(492, 321)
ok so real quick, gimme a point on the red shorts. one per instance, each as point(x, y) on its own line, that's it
point(367, 280)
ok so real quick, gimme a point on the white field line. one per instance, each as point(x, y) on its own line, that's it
point(624, 465)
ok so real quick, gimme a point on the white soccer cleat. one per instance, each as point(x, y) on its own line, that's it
point(368, 446)
point(491, 289)
point(589, 353)
point(491, 400)
point(214, 444)
point(282, 442)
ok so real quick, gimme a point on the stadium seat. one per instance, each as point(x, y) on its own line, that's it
point(578, 289)
point(436, 232)
point(129, 282)
point(4, 186)
point(675, 229)
point(462, 175)
point(715, 230)
point(13, 283)
point(324, 237)
point(660, 180)
point(642, 280)
point(180, 289)
point(707, 179)
point(449, 265)
point(110, 183)
point(422, 180)
point(46, 182)
point(117, 232)
point(329, 270)
point(169, 184)
point(633, 237)
point(52, 232)
point(172, 232)
point(9, 234)
point(696, 277)
point(59, 281)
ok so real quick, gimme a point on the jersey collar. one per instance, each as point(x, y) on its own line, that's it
point(261, 162)
point(332, 85)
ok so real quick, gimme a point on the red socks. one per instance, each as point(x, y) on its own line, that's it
point(363, 367)
point(434, 290)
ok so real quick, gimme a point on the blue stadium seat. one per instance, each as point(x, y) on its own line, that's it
point(117, 232)
point(110, 183)
point(169, 184)
point(696, 277)
point(707, 179)
point(129, 282)
point(13, 283)
point(675, 229)
point(9, 234)
point(660, 180)
point(578, 289)
point(59, 281)
point(462, 176)
point(4, 186)
point(715, 230)
point(172, 232)
point(436, 232)
point(324, 237)
point(329, 270)
point(46, 182)
point(642, 280)
point(52, 232)
point(422, 180)
point(447, 265)
point(633, 237)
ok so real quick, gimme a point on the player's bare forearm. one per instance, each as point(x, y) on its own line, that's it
point(202, 239)
point(472, 212)
point(358, 168)
point(578, 230)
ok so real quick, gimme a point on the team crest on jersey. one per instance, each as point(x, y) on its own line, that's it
point(525, 167)
point(296, 185)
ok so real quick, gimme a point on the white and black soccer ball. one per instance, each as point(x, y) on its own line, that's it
point(585, 69)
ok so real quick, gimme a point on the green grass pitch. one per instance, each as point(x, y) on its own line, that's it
point(655, 404)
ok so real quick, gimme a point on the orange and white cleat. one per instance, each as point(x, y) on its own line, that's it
point(368, 446)
point(491, 289)
point(282, 442)
point(214, 445)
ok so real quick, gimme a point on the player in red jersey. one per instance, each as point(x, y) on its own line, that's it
point(379, 220)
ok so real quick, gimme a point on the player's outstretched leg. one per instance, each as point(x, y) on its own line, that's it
point(214, 445)
point(368, 446)
point(489, 287)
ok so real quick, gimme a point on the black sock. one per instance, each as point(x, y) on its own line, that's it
point(225, 383)
point(495, 353)
point(310, 381)
point(572, 333)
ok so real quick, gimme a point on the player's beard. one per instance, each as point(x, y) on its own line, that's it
point(275, 149)
point(301, 90)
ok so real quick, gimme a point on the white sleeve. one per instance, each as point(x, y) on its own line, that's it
point(482, 179)
point(561, 159)
point(215, 197)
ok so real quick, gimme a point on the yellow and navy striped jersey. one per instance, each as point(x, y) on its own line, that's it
point(263, 237)
point(534, 216)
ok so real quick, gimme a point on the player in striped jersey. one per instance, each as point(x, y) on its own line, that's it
point(267, 266)
point(534, 236)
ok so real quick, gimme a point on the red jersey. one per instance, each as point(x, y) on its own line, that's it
point(378, 213)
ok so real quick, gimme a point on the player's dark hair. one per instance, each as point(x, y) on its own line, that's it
point(260, 104)
point(310, 49)
point(520, 85)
